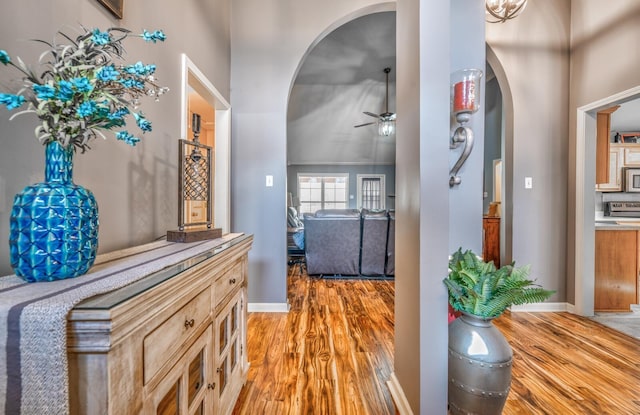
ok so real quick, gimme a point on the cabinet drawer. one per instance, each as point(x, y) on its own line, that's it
point(164, 340)
point(228, 282)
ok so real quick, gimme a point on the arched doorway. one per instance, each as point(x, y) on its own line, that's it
point(506, 205)
point(341, 76)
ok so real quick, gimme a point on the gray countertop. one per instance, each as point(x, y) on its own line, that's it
point(612, 226)
point(618, 224)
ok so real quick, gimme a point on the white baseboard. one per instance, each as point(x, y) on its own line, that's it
point(268, 308)
point(399, 398)
point(541, 307)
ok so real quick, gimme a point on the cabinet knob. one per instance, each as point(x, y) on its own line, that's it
point(218, 370)
point(211, 386)
point(232, 281)
point(189, 323)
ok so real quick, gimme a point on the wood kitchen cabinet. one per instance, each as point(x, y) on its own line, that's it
point(603, 131)
point(491, 240)
point(172, 343)
point(616, 269)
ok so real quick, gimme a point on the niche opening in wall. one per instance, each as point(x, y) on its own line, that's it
point(199, 94)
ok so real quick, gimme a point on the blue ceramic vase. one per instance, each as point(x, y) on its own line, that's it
point(54, 224)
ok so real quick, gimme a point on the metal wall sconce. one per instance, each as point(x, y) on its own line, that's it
point(466, 97)
point(194, 186)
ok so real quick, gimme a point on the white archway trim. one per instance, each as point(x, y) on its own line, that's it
point(193, 78)
point(506, 216)
point(398, 396)
point(584, 215)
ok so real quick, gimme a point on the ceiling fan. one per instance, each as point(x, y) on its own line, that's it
point(387, 120)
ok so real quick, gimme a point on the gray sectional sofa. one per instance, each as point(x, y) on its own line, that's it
point(349, 242)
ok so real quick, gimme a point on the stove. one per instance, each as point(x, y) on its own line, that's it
point(622, 209)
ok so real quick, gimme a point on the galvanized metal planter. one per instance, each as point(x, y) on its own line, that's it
point(479, 367)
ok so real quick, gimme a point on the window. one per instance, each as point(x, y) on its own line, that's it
point(322, 191)
point(371, 191)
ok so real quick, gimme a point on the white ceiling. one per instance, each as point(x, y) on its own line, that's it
point(340, 78)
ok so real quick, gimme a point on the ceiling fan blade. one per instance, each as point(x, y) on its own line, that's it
point(371, 114)
point(362, 125)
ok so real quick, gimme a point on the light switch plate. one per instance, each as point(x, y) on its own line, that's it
point(528, 182)
point(269, 180)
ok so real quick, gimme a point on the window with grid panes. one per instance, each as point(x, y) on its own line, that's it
point(323, 191)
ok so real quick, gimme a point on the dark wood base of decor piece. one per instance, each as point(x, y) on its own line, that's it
point(194, 235)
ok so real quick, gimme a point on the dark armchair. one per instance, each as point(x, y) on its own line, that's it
point(332, 241)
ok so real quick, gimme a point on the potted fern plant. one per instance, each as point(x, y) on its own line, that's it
point(479, 355)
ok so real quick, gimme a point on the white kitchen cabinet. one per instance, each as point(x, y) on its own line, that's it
point(616, 156)
point(631, 156)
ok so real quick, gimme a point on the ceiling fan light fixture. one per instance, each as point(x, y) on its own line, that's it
point(499, 11)
point(386, 127)
point(387, 120)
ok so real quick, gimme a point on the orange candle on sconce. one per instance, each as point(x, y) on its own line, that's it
point(464, 96)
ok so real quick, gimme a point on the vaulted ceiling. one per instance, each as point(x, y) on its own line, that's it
point(340, 78)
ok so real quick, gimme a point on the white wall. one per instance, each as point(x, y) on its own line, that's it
point(533, 51)
point(136, 188)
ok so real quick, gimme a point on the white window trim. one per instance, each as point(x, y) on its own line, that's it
point(345, 175)
point(383, 195)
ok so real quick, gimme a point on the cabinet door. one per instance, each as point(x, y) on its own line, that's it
point(186, 388)
point(603, 146)
point(491, 240)
point(616, 270)
point(632, 156)
point(615, 176)
point(229, 352)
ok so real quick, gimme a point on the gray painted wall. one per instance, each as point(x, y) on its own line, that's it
point(428, 51)
point(136, 188)
point(321, 120)
point(269, 41)
point(465, 200)
point(353, 171)
point(536, 64)
point(603, 63)
point(626, 118)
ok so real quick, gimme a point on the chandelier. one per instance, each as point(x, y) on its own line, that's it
point(499, 11)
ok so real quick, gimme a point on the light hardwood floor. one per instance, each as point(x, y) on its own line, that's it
point(333, 353)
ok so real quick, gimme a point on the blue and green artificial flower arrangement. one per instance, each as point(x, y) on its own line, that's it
point(83, 88)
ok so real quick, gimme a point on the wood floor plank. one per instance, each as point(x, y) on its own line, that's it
point(568, 364)
point(333, 354)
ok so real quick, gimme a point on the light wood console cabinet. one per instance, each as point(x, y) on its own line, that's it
point(171, 343)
